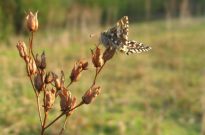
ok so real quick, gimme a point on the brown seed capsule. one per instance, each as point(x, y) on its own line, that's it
point(97, 57)
point(38, 82)
point(41, 63)
point(76, 72)
point(57, 83)
point(43, 60)
point(72, 105)
point(32, 21)
point(31, 67)
point(65, 99)
point(62, 78)
point(27, 59)
point(108, 54)
point(84, 64)
point(50, 99)
point(49, 77)
point(21, 46)
point(90, 94)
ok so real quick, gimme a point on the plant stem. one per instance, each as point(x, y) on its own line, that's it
point(37, 101)
point(97, 73)
point(31, 45)
point(69, 84)
point(81, 103)
point(63, 128)
point(54, 120)
point(39, 110)
point(44, 123)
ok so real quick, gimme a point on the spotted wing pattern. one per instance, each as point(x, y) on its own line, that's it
point(119, 33)
point(117, 38)
point(134, 47)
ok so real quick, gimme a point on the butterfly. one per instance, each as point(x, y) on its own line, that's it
point(117, 38)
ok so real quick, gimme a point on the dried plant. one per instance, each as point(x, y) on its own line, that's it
point(51, 86)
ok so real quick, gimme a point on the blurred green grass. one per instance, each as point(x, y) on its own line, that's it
point(155, 93)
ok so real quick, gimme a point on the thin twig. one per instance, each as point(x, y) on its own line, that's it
point(69, 84)
point(31, 45)
point(64, 124)
point(37, 100)
point(39, 110)
point(101, 67)
point(54, 120)
point(44, 123)
point(97, 73)
point(45, 112)
point(81, 103)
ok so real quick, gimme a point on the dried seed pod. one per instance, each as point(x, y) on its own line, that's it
point(62, 78)
point(21, 46)
point(72, 105)
point(57, 83)
point(49, 78)
point(41, 63)
point(32, 21)
point(108, 54)
point(50, 99)
point(31, 67)
point(90, 94)
point(83, 64)
point(76, 72)
point(27, 59)
point(38, 82)
point(97, 57)
point(65, 99)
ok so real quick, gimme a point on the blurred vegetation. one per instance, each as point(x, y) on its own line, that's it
point(157, 93)
point(71, 13)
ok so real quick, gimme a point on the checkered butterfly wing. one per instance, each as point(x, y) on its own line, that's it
point(117, 37)
point(119, 33)
point(134, 47)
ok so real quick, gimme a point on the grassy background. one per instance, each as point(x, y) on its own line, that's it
point(154, 93)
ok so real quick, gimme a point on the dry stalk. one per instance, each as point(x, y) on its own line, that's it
point(51, 86)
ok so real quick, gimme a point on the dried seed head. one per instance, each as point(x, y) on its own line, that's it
point(32, 21)
point(27, 59)
point(41, 63)
point(57, 83)
point(97, 57)
point(65, 99)
point(38, 82)
point(72, 105)
point(90, 94)
point(108, 54)
point(83, 64)
point(50, 99)
point(31, 67)
point(76, 72)
point(43, 60)
point(49, 77)
point(21, 46)
point(62, 78)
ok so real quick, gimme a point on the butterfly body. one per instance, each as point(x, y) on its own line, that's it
point(117, 38)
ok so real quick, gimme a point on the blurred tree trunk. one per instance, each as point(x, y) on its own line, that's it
point(184, 11)
point(148, 9)
point(170, 6)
